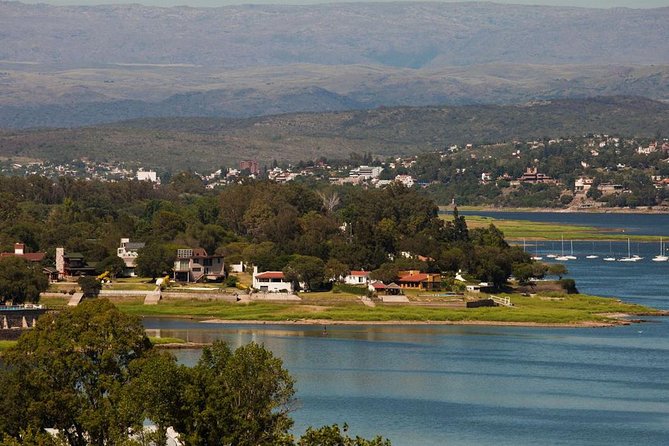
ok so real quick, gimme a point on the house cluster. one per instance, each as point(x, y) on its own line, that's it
point(276, 282)
point(80, 168)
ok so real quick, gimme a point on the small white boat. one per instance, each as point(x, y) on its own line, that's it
point(630, 257)
point(593, 255)
point(571, 255)
point(551, 256)
point(562, 258)
point(609, 259)
point(661, 257)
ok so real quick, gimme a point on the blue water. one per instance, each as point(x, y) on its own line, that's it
point(457, 385)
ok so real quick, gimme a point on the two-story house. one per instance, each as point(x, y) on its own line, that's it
point(271, 281)
point(195, 265)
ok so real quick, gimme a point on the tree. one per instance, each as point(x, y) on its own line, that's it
point(387, 272)
point(70, 373)
point(90, 286)
point(154, 260)
point(241, 398)
point(334, 269)
point(21, 281)
point(306, 269)
point(114, 264)
point(557, 269)
point(334, 436)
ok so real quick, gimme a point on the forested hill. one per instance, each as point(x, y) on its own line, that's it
point(203, 143)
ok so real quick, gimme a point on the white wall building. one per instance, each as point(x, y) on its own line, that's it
point(357, 278)
point(271, 281)
point(147, 175)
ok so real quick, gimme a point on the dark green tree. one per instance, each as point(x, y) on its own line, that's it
point(90, 286)
point(70, 372)
point(114, 264)
point(336, 436)
point(21, 281)
point(154, 260)
point(241, 398)
point(306, 269)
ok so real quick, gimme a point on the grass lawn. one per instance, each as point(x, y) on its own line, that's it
point(4, 345)
point(162, 341)
point(521, 229)
point(566, 309)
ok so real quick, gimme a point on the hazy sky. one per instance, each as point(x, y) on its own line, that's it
point(585, 3)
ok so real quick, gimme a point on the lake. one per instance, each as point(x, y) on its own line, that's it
point(457, 385)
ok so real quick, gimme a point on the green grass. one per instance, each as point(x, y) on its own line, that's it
point(4, 345)
point(563, 310)
point(162, 341)
point(521, 229)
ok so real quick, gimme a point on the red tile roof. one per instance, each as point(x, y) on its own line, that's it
point(31, 256)
point(270, 275)
point(413, 278)
point(360, 273)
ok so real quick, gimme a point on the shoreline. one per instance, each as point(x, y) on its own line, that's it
point(644, 210)
point(618, 320)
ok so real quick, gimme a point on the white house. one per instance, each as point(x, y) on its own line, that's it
point(147, 175)
point(271, 281)
point(357, 278)
point(128, 251)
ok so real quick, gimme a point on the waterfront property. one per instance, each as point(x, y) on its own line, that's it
point(357, 278)
point(72, 264)
point(195, 265)
point(271, 281)
point(414, 279)
point(129, 251)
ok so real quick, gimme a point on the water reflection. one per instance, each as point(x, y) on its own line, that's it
point(434, 385)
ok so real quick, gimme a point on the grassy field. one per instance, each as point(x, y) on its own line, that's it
point(521, 229)
point(4, 345)
point(162, 341)
point(550, 309)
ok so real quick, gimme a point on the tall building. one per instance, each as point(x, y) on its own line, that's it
point(251, 165)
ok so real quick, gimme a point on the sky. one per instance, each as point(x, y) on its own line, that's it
point(214, 3)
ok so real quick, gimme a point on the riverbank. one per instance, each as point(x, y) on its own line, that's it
point(549, 310)
point(570, 210)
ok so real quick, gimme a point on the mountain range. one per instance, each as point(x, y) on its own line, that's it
point(69, 66)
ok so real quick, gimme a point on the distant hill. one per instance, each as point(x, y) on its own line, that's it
point(68, 66)
point(72, 98)
point(204, 143)
point(411, 34)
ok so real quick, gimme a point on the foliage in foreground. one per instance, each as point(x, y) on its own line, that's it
point(92, 373)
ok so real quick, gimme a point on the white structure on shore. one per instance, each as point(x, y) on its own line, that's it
point(271, 281)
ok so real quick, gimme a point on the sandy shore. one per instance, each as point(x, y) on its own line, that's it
point(325, 322)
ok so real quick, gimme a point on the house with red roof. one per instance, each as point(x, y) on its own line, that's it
point(20, 251)
point(416, 280)
point(271, 281)
point(357, 278)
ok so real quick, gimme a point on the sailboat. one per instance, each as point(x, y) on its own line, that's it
point(661, 257)
point(571, 255)
point(610, 258)
point(630, 257)
point(536, 255)
point(562, 257)
point(593, 255)
point(552, 256)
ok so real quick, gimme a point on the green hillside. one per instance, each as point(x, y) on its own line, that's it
point(203, 143)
